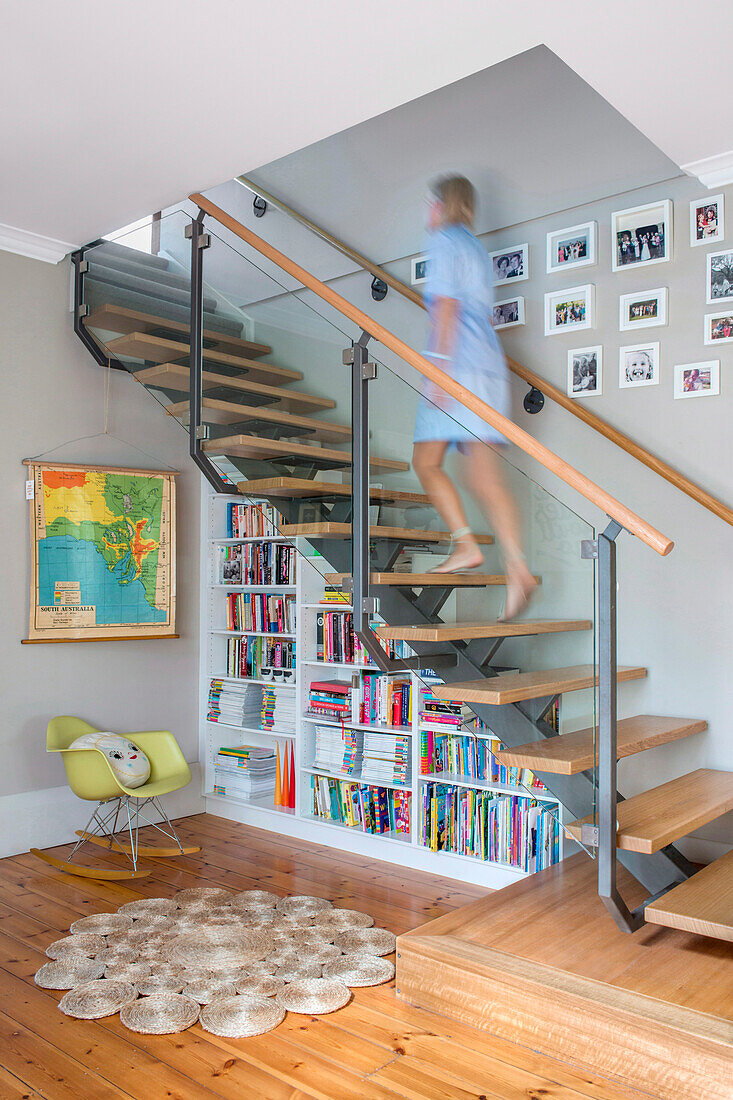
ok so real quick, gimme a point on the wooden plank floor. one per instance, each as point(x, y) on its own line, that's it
point(377, 1047)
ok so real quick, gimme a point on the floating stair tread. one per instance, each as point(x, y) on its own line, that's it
point(230, 412)
point(299, 487)
point(113, 318)
point(157, 349)
point(450, 632)
point(252, 446)
point(702, 905)
point(175, 376)
point(512, 687)
point(654, 818)
point(426, 580)
point(328, 530)
point(571, 753)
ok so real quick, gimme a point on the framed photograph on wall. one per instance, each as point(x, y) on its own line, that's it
point(719, 281)
point(569, 310)
point(718, 327)
point(508, 313)
point(419, 270)
point(510, 264)
point(585, 372)
point(573, 247)
point(642, 235)
point(697, 379)
point(638, 365)
point(642, 309)
point(707, 220)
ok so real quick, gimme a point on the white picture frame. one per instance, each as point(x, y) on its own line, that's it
point(697, 379)
point(650, 307)
point(719, 277)
point(505, 307)
point(699, 208)
point(641, 235)
point(638, 365)
point(719, 327)
point(585, 372)
point(418, 270)
point(560, 303)
point(510, 265)
point(580, 239)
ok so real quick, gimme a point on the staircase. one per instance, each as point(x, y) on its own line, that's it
point(254, 420)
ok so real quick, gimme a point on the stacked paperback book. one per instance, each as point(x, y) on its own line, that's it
point(332, 699)
point(386, 758)
point(337, 749)
point(234, 704)
point(244, 771)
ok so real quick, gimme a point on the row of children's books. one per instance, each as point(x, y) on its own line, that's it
point(370, 808)
point(471, 758)
point(520, 832)
point(266, 563)
point(261, 658)
point(245, 521)
point(261, 612)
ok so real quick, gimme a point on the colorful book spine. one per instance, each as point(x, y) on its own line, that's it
point(373, 809)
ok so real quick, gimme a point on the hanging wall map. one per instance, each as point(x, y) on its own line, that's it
point(103, 553)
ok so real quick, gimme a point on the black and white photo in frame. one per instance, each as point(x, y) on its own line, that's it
point(585, 372)
point(643, 309)
point(569, 310)
point(419, 270)
point(697, 379)
point(642, 235)
point(508, 313)
point(719, 279)
point(707, 220)
point(572, 247)
point(718, 327)
point(638, 365)
point(510, 265)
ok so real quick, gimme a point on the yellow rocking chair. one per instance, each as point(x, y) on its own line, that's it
point(91, 778)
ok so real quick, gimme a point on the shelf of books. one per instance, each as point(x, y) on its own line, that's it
point(303, 734)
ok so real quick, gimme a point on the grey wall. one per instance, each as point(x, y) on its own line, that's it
point(51, 391)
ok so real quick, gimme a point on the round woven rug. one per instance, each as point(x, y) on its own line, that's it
point(266, 985)
point(342, 919)
point(359, 970)
point(159, 983)
point(202, 896)
point(237, 1017)
point(314, 996)
point(366, 941)
point(303, 903)
point(102, 923)
point(254, 899)
point(93, 1000)
point(85, 943)
point(68, 972)
point(160, 1014)
point(208, 989)
point(145, 906)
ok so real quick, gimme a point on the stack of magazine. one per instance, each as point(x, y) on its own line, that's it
point(244, 771)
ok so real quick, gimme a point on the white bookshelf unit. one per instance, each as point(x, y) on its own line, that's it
point(399, 848)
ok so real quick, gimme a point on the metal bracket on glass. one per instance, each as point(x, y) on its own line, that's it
point(589, 836)
point(81, 310)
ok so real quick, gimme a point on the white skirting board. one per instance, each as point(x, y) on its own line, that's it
point(43, 819)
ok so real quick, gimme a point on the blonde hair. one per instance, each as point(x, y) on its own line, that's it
point(458, 196)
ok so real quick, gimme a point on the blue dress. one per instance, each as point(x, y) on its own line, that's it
point(459, 267)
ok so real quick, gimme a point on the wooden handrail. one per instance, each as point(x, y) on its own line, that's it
point(511, 431)
point(578, 409)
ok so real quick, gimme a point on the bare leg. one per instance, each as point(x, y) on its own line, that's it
point(427, 460)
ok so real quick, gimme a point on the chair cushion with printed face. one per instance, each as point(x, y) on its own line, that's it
point(129, 764)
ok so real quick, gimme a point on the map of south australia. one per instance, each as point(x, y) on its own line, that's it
point(103, 548)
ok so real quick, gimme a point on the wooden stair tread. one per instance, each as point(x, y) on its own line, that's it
point(112, 318)
point(450, 632)
point(252, 446)
point(158, 349)
point(512, 687)
point(571, 753)
point(299, 487)
point(230, 412)
point(175, 376)
point(377, 531)
point(426, 580)
point(654, 818)
point(702, 905)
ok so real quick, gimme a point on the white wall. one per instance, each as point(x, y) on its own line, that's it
point(52, 391)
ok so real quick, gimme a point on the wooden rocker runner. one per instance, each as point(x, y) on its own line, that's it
point(91, 778)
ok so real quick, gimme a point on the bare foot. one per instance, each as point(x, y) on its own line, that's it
point(465, 555)
point(520, 586)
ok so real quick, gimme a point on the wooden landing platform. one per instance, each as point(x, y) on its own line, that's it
point(542, 964)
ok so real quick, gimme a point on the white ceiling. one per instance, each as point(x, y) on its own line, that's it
point(112, 111)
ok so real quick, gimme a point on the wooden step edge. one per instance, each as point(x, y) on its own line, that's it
point(514, 687)
point(702, 905)
point(447, 632)
point(245, 445)
point(234, 412)
point(427, 580)
point(133, 343)
point(572, 753)
point(301, 487)
point(131, 320)
point(160, 373)
point(376, 531)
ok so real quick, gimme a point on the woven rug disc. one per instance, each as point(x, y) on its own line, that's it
point(366, 941)
point(145, 906)
point(311, 937)
point(252, 970)
point(314, 996)
point(359, 970)
point(341, 919)
point(303, 903)
point(118, 956)
point(157, 922)
point(298, 969)
point(254, 899)
point(85, 943)
point(257, 918)
point(127, 972)
point(102, 923)
point(219, 947)
point(292, 956)
point(68, 972)
point(159, 983)
point(160, 1014)
point(93, 1000)
point(129, 937)
point(266, 985)
point(238, 1017)
point(203, 896)
point(296, 918)
point(208, 989)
